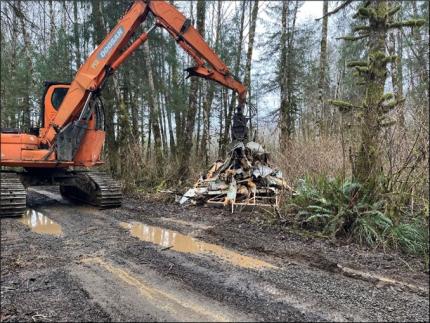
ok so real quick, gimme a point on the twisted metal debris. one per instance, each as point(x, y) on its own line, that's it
point(244, 178)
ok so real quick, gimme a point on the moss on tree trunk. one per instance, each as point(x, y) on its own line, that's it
point(367, 164)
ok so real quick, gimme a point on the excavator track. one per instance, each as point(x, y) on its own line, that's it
point(13, 196)
point(93, 188)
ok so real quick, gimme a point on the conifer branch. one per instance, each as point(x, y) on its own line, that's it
point(343, 5)
point(343, 106)
point(353, 38)
point(393, 10)
point(407, 23)
point(361, 28)
point(356, 63)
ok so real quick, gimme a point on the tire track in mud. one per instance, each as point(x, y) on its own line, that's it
point(98, 264)
point(84, 241)
point(167, 301)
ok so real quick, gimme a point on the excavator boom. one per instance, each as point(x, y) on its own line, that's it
point(108, 57)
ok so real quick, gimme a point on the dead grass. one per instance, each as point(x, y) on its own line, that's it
point(405, 155)
point(140, 172)
point(322, 157)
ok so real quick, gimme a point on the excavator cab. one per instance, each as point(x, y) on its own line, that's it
point(81, 141)
point(79, 144)
point(53, 96)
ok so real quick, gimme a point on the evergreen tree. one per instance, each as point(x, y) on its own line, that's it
point(367, 167)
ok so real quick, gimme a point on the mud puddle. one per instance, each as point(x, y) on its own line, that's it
point(174, 240)
point(40, 223)
point(187, 223)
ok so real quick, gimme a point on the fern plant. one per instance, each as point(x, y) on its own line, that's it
point(343, 208)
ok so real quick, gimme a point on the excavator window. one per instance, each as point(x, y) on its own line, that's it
point(58, 96)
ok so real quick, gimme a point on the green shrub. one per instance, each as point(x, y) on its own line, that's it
point(342, 208)
point(370, 227)
point(410, 237)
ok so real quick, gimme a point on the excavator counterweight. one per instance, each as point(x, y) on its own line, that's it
point(72, 117)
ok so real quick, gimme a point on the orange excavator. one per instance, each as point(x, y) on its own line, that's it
point(72, 133)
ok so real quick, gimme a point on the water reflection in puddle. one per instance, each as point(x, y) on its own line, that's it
point(40, 223)
point(182, 243)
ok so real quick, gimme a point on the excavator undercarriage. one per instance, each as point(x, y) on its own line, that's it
point(93, 188)
point(89, 187)
point(13, 195)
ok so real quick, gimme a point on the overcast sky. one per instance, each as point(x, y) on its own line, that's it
point(311, 9)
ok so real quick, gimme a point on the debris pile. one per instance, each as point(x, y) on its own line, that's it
point(244, 178)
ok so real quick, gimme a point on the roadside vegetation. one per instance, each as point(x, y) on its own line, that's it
point(376, 204)
point(345, 209)
point(329, 203)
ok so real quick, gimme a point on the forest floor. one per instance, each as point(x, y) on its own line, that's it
point(155, 261)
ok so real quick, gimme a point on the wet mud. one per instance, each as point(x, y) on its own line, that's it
point(155, 261)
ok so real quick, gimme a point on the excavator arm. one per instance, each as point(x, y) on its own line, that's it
point(193, 43)
point(113, 51)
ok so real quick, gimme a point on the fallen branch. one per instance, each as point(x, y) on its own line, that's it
point(381, 279)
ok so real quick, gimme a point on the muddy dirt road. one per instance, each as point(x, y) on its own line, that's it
point(154, 261)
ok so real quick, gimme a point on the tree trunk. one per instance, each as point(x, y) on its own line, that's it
point(76, 35)
point(124, 135)
point(287, 109)
point(207, 104)
point(199, 120)
point(423, 56)
point(368, 164)
point(175, 97)
point(13, 61)
point(142, 124)
point(394, 48)
point(134, 113)
point(64, 20)
point(321, 114)
point(283, 65)
point(247, 80)
point(175, 100)
point(169, 125)
point(153, 109)
point(187, 142)
point(220, 126)
point(51, 23)
point(162, 118)
point(30, 84)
